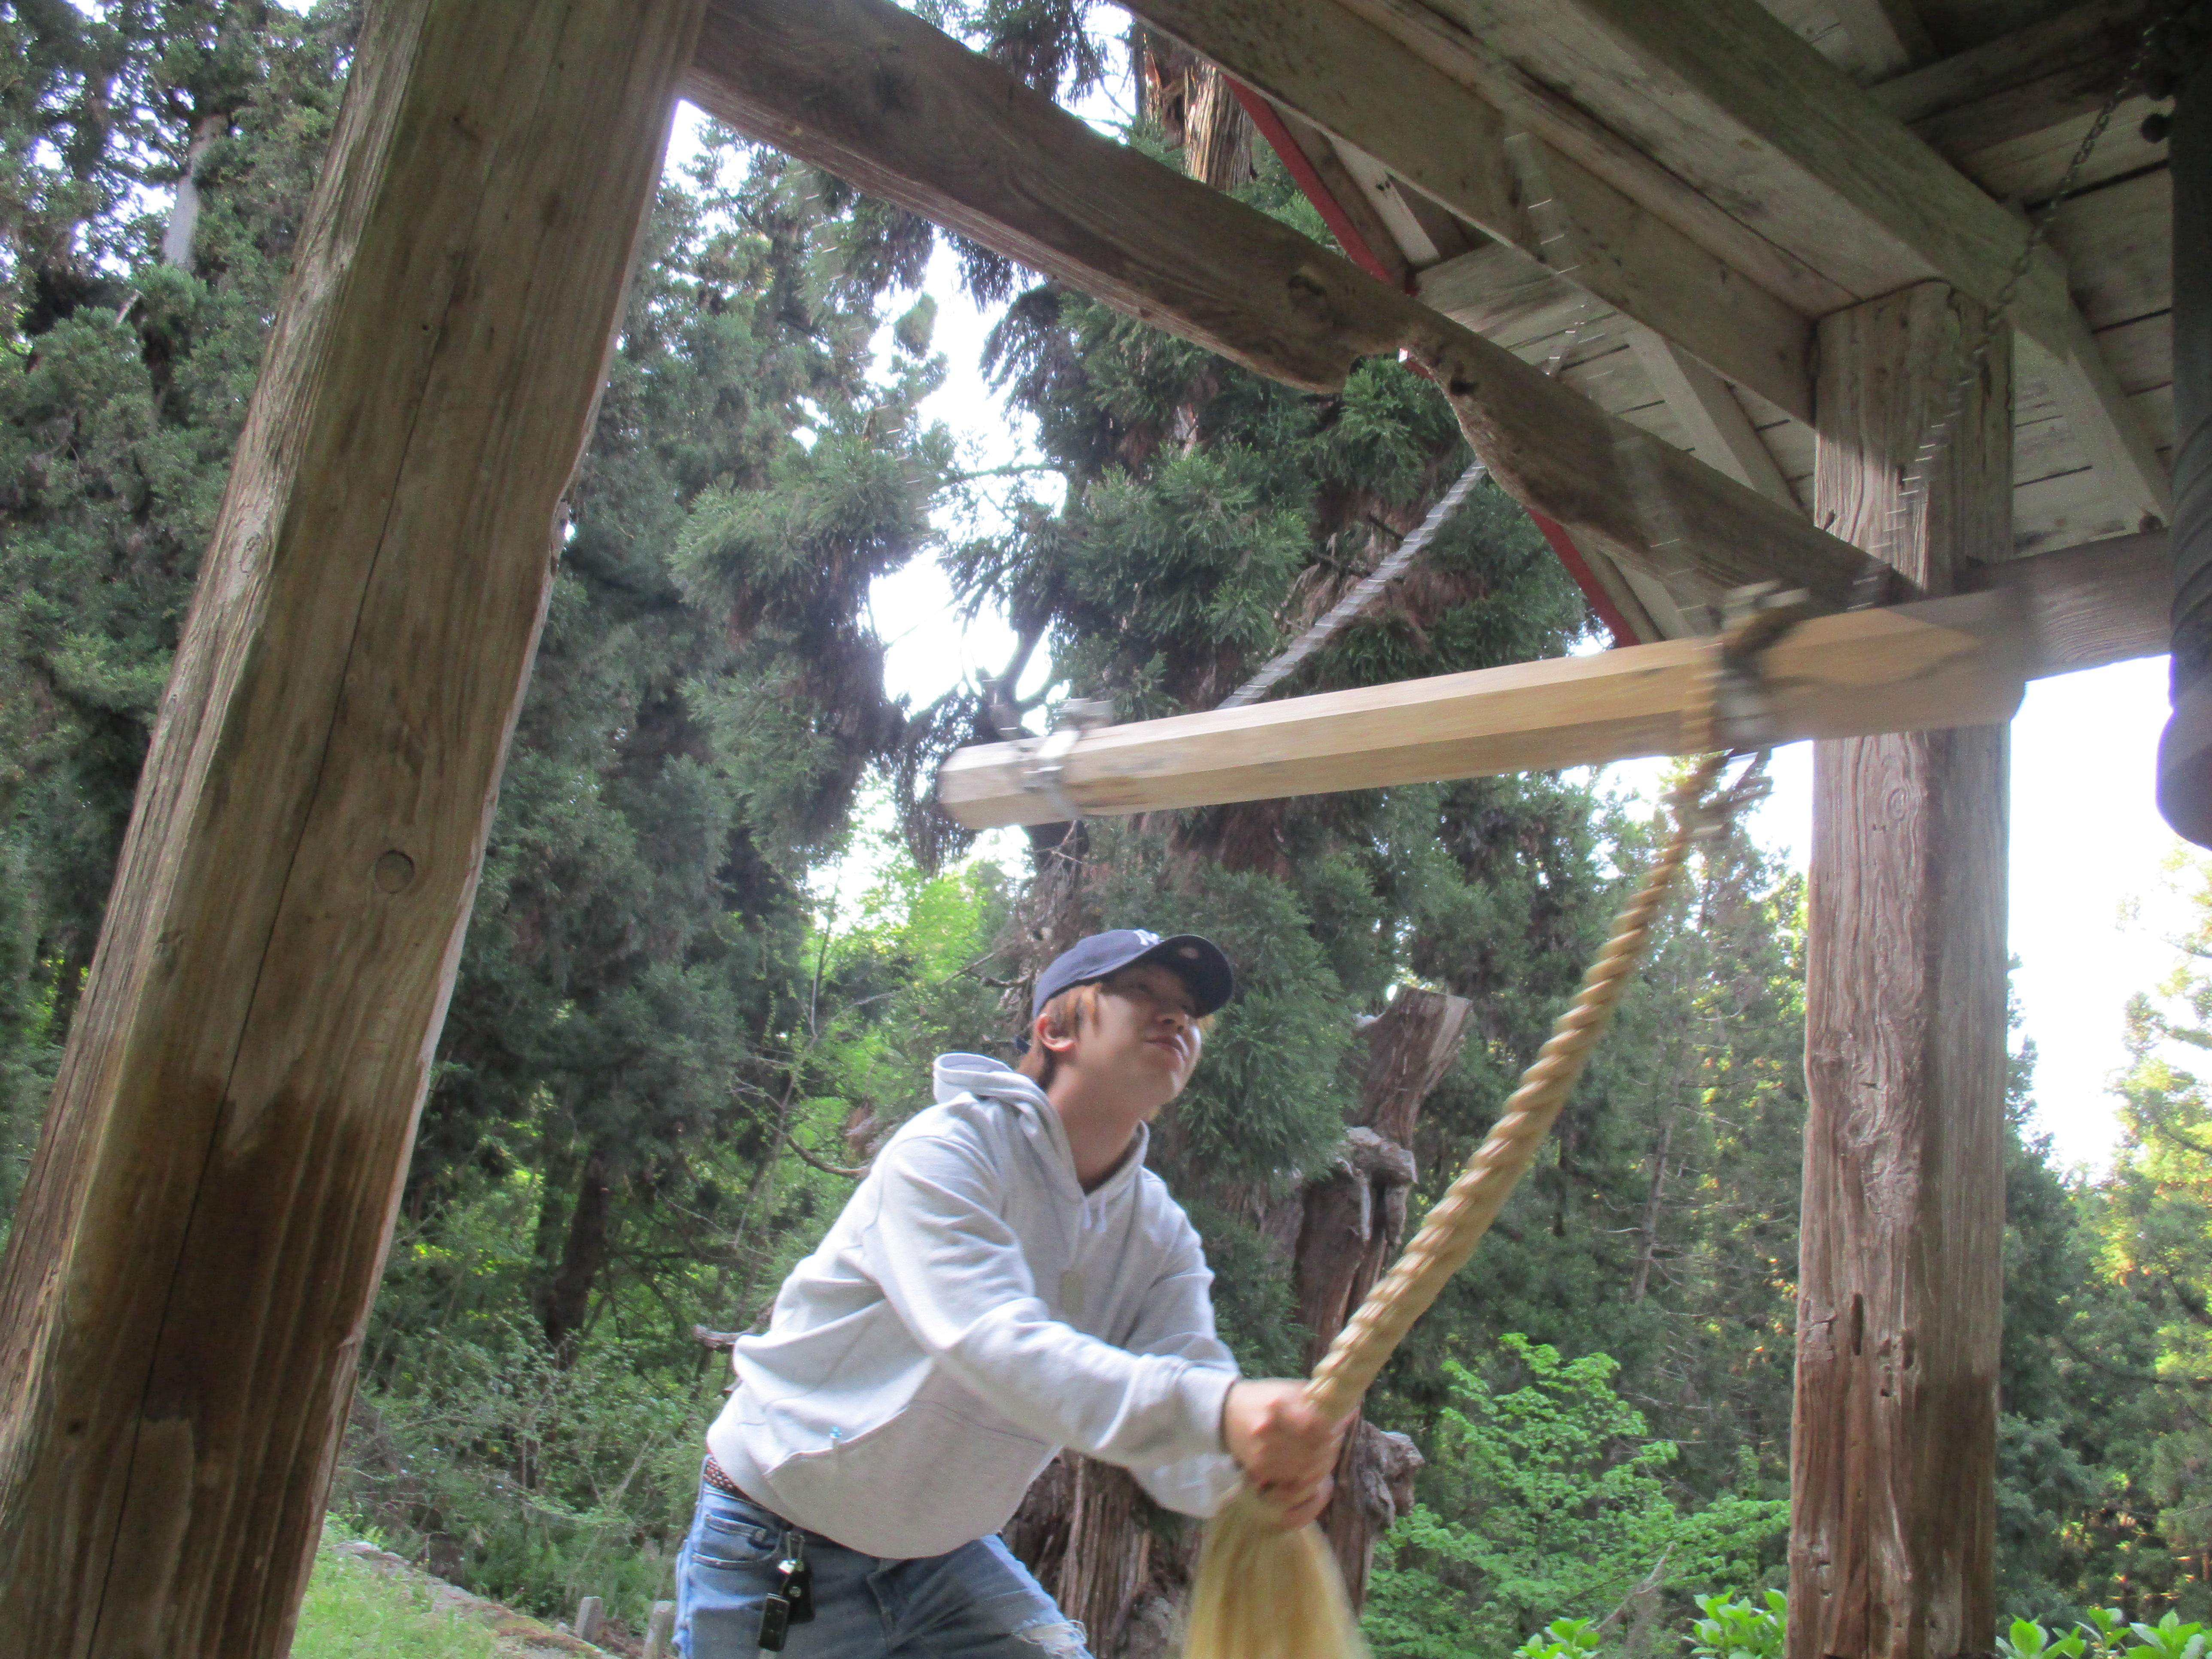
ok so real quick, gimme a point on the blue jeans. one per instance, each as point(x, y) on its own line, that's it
point(974, 1602)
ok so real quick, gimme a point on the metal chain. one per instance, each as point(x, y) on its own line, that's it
point(1928, 458)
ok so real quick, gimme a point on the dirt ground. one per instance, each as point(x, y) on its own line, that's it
point(516, 1635)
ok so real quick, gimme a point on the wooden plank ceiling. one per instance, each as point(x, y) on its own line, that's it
point(1658, 200)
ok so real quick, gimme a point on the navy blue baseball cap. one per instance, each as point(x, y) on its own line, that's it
point(1199, 961)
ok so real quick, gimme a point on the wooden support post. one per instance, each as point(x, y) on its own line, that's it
point(1894, 1454)
point(199, 1241)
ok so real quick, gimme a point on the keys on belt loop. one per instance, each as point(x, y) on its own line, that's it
point(791, 1602)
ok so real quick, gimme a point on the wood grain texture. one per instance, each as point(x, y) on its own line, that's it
point(2010, 112)
point(1894, 1447)
point(878, 96)
point(1359, 82)
point(2105, 427)
point(1914, 667)
point(1720, 433)
point(2099, 38)
point(2117, 244)
point(2108, 602)
point(1727, 96)
point(198, 1242)
point(1530, 102)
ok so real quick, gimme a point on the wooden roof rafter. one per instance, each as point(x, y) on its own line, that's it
point(883, 99)
point(1845, 204)
point(1365, 86)
point(873, 93)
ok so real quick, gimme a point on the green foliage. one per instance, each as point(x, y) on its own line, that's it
point(1732, 1627)
point(1547, 1494)
point(1728, 1627)
point(2170, 1638)
point(1563, 1639)
point(2028, 1640)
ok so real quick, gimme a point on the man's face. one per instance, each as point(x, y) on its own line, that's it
point(1145, 1037)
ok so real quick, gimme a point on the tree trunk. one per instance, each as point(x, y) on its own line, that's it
point(1217, 143)
point(185, 215)
point(1354, 1221)
point(1191, 100)
point(1647, 1249)
point(569, 1297)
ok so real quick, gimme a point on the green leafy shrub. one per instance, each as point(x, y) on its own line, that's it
point(1544, 1497)
point(1734, 1629)
point(2028, 1640)
point(1738, 1627)
point(1563, 1639)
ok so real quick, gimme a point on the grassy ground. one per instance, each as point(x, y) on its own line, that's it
point(353, 1612)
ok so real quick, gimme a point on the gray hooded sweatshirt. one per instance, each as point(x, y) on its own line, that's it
point(972, 1311)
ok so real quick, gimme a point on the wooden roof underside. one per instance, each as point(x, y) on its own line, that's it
point(1658, 201)
point(1685, 173)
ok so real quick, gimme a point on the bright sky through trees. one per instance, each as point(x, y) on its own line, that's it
point(2092, 902)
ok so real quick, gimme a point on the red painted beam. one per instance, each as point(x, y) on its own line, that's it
point(1270, 123)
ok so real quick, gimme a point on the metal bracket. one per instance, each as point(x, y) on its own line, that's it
point(1044, 759)
point(1751, 619)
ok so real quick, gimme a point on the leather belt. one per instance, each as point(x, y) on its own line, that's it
point(718, 1477)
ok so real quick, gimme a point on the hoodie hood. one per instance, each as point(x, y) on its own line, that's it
point(987, 1078)
point(955, 1075)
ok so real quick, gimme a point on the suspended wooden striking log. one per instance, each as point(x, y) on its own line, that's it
point(1921, 668)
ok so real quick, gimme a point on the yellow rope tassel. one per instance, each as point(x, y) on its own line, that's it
point(1267, 1593)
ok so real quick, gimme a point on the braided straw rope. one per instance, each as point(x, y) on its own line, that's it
point(1459, 1219)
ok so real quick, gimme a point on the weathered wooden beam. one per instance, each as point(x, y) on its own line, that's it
point(2052, 70)
point(1354, 80)
point(1901, 1248)
point(1729, 97)
point(1370, 180)
point(878, 96)
point(2102, 420)
point(1720, 433)
point(1912, 668)
point(1538, 107)
point(2087, 606)
point(193, 1260)
point(1888, 35)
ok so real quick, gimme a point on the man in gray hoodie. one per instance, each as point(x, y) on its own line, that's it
point(1008, 1279)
